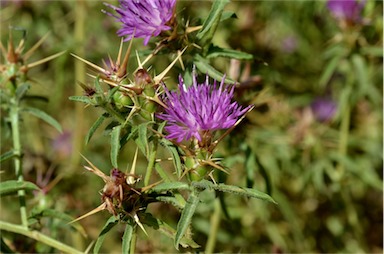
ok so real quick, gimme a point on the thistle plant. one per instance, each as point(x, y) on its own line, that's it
point(141, 106)
point(178, 107)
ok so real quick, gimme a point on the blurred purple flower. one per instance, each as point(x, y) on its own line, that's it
point(289, 44)
point(62, 144)
point(324, 109)
point(143, 18)
point(349, 10)
point(199, 110)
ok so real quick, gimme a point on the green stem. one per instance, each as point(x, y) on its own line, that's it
point(38, 237)
point(215, 222)
point(14, 115)
point(115, 114)
point(151, 163)
point(343, 140)
point(133, 241)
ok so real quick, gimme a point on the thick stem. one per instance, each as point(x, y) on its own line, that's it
point(14, 115)
point(38, 237)
point(215, 222)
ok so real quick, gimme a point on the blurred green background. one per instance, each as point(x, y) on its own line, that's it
point(326, 175)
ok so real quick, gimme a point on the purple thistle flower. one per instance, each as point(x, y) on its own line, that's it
point(324, 109)
point(199, 110)
point(143, 18)
point(349, 10)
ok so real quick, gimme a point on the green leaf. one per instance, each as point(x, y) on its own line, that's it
point(111, 222)
point(372, 51)
point(186, 217)
point(206, 33)
point(167, 230)
point(215, 51)
point(228, 15)
point(175, 201)
point(22, 90)
point(205, 67)
point(115, 144)
point(187, 76)
point(142, 138)
point(95, 126)
point(336, 54)
point(12, 186)
point(43, 116)
point(84, 99)
point(175, 156)
point(36, 97)
point(362, 76)
point(170, 186)
point(248, 192)
point(98, 87)
point(127, 238)
point(7, 155)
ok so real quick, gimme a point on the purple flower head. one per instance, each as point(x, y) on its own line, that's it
point(324, 109)
point(143, 18)
point(199, 110)
point(349, 10)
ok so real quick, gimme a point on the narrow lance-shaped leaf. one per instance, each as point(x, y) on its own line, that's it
point(84, 99)
point(127, 238)
point(22, 90)
point(7, 155)
point(111, 222)
point(205, 35)
point(186, 216)
point(170, 186)
point(228, 15)
point(142, 139)
point(215, 51)
point(175, 157)
point(248, 192)
point(12, 186)
point(43, 116)
point(115, 145)
point(167, 230)
point(204, 67)
point(95, 126)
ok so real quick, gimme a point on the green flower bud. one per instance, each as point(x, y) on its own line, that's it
point(121, 99)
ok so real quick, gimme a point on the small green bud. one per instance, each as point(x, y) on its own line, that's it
point(122, 100)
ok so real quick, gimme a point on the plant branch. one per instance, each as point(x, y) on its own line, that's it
point(215, 222)
point(14, 116)
point(38, 237)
